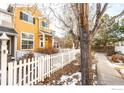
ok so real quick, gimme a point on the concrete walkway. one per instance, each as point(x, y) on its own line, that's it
point(107, 75)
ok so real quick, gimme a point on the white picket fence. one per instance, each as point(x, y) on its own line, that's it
point(64, 50)
point(31, 71)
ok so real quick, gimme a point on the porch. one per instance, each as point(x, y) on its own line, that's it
point(46, 40)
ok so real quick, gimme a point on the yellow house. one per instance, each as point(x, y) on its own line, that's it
point(32, 27)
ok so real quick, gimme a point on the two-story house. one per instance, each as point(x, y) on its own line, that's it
point(6, 25)
point(32, 27)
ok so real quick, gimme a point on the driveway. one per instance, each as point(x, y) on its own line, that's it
point(107, 75)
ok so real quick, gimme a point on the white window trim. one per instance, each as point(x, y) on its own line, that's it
point(5, 17)
point(26, 39)
point(42, 41)
point(27, 21)
point(46, 28)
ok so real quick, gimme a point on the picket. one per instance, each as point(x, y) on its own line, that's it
point(10, 73)
point(42, 68)
point(29, 72)
point(32, 71)
point(20, 72)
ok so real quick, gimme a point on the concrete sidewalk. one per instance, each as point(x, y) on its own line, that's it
point(107, 75)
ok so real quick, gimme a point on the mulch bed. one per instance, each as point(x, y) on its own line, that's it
point(68, 69)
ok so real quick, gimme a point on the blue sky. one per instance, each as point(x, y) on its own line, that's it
point(114, 9)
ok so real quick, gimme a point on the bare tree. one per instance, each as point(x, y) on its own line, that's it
point(86, 36)
point(82, 25)
point(67, 19)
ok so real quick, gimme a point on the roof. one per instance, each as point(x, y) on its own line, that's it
point(24, 5)
point(9, 31)
point(46, 33)
point(21, 5)
point(4, 11)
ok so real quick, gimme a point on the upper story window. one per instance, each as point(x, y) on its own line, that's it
point(27, 17)
point(5, 18)
point(44, 25)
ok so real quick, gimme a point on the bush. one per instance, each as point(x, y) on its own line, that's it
point(117, 58)
point(48, 51)
point(27, 56)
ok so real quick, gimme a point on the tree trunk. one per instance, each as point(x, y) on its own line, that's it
point(85, 57)
point(85, 45)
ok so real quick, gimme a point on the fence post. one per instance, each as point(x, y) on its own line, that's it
point(39, 69)
point(24, 72)
point(29, 71)
point(20, 72)
point(32, 70)
point(48, 65)
point(3, 55)
point(15, 72)
point(42, 69)
point(10, 73)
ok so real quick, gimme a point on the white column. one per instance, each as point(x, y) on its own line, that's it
point(3, 59)
point(52, 41)
point(43, 40)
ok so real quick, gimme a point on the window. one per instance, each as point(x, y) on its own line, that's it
point(5, 17)
point(27, 41)
point(44, 25)
point(27, 17)
point(42, 41)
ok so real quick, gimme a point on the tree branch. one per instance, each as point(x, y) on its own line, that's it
point(59, 18)
point(99, 14)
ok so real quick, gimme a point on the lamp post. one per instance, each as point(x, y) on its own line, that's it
point(3, 59)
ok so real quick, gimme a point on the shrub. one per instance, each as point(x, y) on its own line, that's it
point(48, 51)
point(117, 58)
point(27, 56)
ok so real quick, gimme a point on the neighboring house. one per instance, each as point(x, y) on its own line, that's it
point(56, 42)
point(6, 25)
point(32, 27)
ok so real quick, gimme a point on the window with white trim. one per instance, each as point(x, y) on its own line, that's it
point(44, 25)
point(42, 41)
point(27, 17)
point(27, 41)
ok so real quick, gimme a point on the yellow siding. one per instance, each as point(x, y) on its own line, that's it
point(23, 26)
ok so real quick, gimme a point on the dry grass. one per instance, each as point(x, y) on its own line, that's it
point(68, 69)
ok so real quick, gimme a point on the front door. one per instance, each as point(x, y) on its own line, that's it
point(46, 42)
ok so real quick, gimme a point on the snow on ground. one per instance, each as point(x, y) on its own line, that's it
point(119, 66)
point(122, 71)
point(70, 79)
